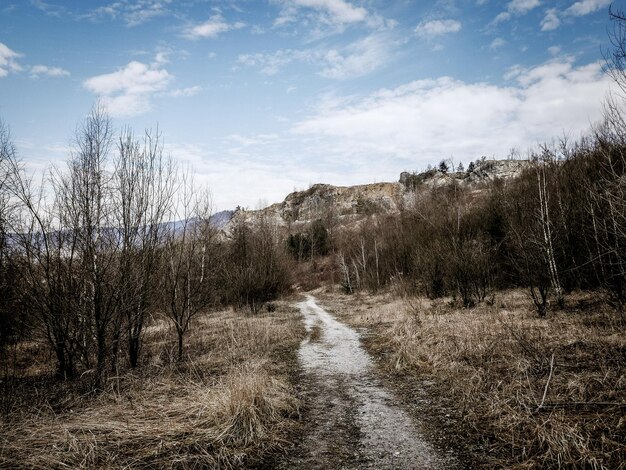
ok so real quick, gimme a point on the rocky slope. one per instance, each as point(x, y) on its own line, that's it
point(480, 171)
point(352, 202)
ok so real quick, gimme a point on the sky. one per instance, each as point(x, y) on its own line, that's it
point(263, 97)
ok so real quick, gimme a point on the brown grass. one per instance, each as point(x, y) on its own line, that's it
point(229, 404)
point(497, 362)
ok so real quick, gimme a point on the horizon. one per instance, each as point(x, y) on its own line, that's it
point(264, 98)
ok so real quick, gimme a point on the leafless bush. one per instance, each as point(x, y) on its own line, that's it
point(190, 265)
point(256, 270)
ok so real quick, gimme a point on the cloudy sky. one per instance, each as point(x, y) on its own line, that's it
point(266, 96)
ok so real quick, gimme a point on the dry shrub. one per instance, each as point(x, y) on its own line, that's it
point(168, 426)
point(496, 363)
point(250, 404)
point(226, 406)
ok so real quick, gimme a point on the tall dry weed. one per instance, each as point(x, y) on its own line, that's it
point(228, 404)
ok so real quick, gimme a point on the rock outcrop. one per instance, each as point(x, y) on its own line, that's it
point(479, 172)
point(343, 202)
point(348, 203)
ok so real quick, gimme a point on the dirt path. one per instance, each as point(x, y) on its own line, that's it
point(352, 421)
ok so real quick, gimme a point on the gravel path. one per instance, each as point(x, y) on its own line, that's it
point(352, 421)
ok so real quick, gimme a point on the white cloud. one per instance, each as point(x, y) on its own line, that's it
point(513, 72)
point(129, 90)
point(9, 64)
point(504, 16)
point(551, 20)
point(427, 120)
point(522, 6)
point(211, 28)
point(272, 63)
point(497, 43)
point(39, 70)
point(184, 92)
point(162, 57)
point(246, 161)
point(340, 10)
point(145, 10)
point(584, 7)
point(255, 140)
point(8, 60)
point(515, 7)
point(554, 50)
point(330, 11)
point(322, 18)
point(49, 9)
point(435, 28)
point(356, 59)
point(133, 13)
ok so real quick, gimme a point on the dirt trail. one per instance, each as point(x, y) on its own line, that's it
point(352, 421)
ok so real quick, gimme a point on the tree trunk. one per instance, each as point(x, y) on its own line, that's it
point(133, 350)
point(181, 334)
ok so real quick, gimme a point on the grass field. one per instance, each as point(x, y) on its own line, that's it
point(230, 403)
point(528, 392)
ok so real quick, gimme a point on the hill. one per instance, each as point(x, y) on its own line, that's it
point(351, 203)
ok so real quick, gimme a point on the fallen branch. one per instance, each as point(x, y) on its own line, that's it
point(545, 390)
point(580, 404)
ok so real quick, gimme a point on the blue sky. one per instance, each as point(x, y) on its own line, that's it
point(264, 97)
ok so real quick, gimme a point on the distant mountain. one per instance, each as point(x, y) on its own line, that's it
point(220, 219)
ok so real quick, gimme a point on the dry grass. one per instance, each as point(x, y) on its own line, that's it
point(537, 392)
point(228, 404)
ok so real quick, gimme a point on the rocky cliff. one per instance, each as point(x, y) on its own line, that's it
point(344, 202)
point(479, 172)
point(348, 203)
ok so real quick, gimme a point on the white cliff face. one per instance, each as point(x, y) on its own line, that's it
point(350, 203)
point(324, 200)
point(492, 169)
point(483, 171)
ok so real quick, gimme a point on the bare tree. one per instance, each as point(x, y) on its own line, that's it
point(255, 270)
point(8, 322)
point(545, 218)
point(84, 199)
point(187, 284)
point(46, 264)
point(528, 253)
point(606, 205)
point(615, 59)
point(144, 183)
